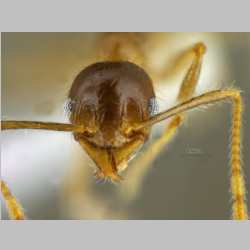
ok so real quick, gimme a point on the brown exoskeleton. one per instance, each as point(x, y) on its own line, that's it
point(111, 109)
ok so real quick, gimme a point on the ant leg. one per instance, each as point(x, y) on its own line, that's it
point(14, 208)
point(174, 66)
point(142, 164)
point(239, 206)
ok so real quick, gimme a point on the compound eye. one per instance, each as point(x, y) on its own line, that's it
point(153, 107)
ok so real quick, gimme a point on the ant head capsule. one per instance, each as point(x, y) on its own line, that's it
point(108, 99)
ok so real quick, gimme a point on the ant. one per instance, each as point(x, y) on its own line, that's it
point(112, 110)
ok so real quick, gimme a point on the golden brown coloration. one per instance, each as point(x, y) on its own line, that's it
point(237, 179)
point(144, 161)
point(110, 108)
point(14, 208)
point(41, 125)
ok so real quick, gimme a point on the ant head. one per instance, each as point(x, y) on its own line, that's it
point(109, 99)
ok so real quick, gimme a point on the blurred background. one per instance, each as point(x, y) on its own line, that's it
point(52, 176)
